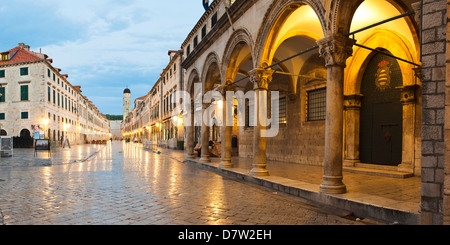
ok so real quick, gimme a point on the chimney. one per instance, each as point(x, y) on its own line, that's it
point(23, 46)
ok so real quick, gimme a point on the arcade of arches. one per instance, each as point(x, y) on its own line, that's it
point(340, 103)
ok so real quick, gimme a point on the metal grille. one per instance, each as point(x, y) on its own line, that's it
point(317, 104)
point(281, 117)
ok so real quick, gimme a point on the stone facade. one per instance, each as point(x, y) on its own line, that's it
point(433, 109)
point(155, 118)
point(446, 148)
point(47, 98)
point(317, 52)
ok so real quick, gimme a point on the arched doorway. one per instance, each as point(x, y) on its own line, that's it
point(397, 38)
point(381, 112)
point(3, 133)
point(24, 140)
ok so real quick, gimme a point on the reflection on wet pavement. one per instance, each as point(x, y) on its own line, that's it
point(125, 184)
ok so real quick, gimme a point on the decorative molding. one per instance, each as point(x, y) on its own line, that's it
point(335, 49)
point(261, 78)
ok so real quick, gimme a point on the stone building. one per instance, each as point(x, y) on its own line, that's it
point(361, 86)
point(126, 102)
point(155, 118)
point(36, 97)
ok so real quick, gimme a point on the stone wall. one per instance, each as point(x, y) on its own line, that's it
point(446, 210)
point(298, 141)
point(433, 111)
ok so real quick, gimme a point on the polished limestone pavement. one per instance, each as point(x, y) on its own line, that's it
point(125, 184)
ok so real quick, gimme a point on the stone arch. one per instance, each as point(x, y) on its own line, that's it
point(385, 39)
point(211, 72)
point(274, 18)
point(340, 16)
point(230, 64)
point(193, 77)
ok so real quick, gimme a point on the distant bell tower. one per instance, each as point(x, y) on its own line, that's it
point(126, 102)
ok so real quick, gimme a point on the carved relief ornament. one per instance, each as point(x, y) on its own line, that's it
point(336, 49)
point(261, 78)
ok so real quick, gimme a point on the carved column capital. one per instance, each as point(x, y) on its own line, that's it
point(352, 102)
point(261, 78)
point(336, 49)
point(229, 86)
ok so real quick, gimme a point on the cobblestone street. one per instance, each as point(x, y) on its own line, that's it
point(126, 185)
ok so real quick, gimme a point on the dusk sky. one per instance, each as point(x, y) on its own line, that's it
point(103, 45)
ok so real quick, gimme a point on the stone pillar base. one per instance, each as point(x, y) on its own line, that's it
point(190, 156)
point(205, 159)
point(350, 163)
point(259, 170)
point(333, 185)
point(406, 167)
point(225, 164)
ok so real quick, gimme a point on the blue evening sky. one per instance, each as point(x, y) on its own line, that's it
point(103, 45)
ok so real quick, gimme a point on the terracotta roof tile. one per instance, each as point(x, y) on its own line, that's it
point(19, 55)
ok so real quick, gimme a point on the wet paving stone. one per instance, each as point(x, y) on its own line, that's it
point(127, 185)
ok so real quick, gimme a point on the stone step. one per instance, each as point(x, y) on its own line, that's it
point(378, 172)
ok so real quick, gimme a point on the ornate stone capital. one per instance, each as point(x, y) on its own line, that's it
point(261, 78)
point(229, 86)
point(352, 102)
point(336, 49)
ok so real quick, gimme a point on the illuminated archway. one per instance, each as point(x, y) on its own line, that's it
point(399, 38)
point(294, 20)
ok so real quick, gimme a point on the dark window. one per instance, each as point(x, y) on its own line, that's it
point(48, 94)
point(2, 116)
point(316, 105)
point(24, 115)
point(188, 50)
point(281, 117)
point(24, 93)
point(2, 73)
point(24, 71)
point(3, 92)
point(203, 31)
point(48, 72)
point(214, 20)
point(250, 116)
point(54, 99)
point(195, 41)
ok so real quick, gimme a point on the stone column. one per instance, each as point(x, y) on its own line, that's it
point(190, 134)
point(335, 49)
point(227, 121)
point(352, 107)
point(408, 100)
point(260, 78)
point(205, 138)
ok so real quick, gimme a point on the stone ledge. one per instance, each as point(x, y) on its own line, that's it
point(378, 172)
point(360, 204)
